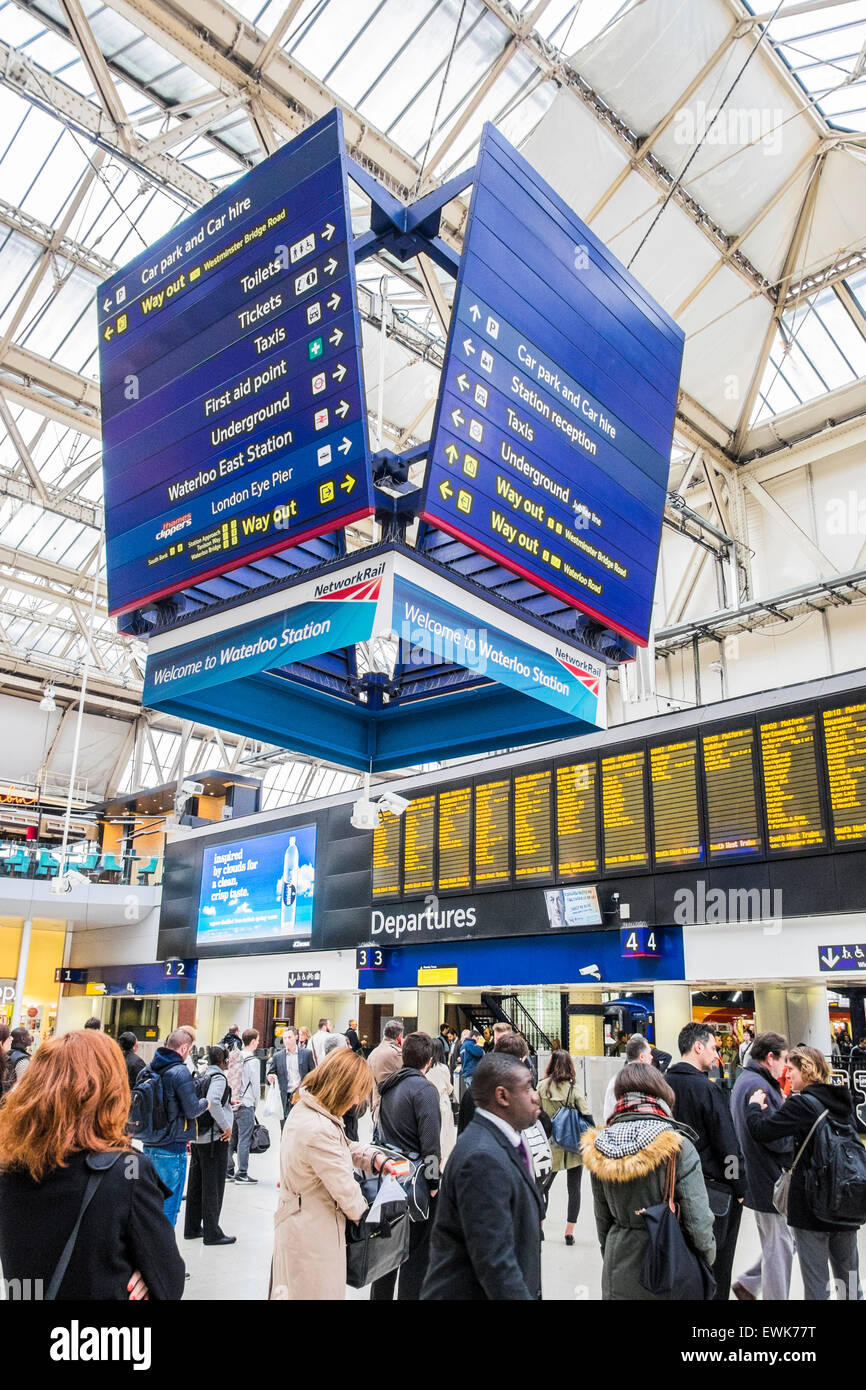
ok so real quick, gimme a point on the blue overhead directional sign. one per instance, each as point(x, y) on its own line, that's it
point(551, 443)
point(232, 390)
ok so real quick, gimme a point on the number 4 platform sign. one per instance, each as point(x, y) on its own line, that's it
point(639, 942)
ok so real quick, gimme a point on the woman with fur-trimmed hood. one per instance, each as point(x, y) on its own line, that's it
point(628, 1162)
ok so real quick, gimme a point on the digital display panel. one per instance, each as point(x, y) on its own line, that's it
point(576, 820)
point(231, 379)
point(674, 787)
point(791, 793)
point(533, 841)
point(572, 907)
point(258, 888)
point(624, 811)
point(492, 833)
point(419, 845)
point(845, 740)
point(732, 812)
point(455, 838)
point(550, 448)
point(386, 856)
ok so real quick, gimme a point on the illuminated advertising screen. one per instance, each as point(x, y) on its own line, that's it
point(258, 889)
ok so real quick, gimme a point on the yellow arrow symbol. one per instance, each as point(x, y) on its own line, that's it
point(452, 453)
point(108, 334)
point(348, 483)
point(446, 490)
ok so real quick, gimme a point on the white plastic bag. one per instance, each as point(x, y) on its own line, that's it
point(389, 1191)
point(273, 1103)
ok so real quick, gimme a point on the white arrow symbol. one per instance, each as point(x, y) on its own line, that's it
point(463, 381)
point(458, 417)
point(467, 347)
point(107, 303)
point(475, 312)
point(830, 959)
point(337, 336)
point(339, 372)
point(334, 301)
point(342, 409)
point(328, 231)
point(330, 266)
point(345, 446)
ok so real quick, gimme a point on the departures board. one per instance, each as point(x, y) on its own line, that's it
point(774, 785)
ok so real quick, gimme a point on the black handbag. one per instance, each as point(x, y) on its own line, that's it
point(671, 1270)
point(374, 1249)
point(260, 1140)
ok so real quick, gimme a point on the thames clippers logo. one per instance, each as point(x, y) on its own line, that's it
point(172, 527)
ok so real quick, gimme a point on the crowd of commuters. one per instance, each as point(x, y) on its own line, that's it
point(82, 1114)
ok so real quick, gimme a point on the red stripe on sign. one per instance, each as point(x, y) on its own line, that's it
point(587, 678)
point(533, 578)
point(226, 566)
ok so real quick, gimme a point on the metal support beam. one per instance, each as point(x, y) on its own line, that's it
point(786, 522)
point(97, 68)
point(791, 257)
point(65, 104)
point(22, 450)
point(276, 36)
point(661, 126)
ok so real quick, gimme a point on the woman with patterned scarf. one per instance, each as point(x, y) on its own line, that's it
point(628, 1161)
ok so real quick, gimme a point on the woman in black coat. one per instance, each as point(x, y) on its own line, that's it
point(62, 1138)
point(818, 1245)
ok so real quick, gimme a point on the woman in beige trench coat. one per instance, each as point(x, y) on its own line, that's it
point(317, 1189)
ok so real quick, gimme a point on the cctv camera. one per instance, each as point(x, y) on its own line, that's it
point(64, 883)
point(591, 970)
point(365, 815)
point(192, 788)
point(391, 801)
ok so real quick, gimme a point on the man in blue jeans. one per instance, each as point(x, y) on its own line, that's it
point(167, 1151)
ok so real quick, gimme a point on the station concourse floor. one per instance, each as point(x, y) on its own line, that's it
point(241, 1271)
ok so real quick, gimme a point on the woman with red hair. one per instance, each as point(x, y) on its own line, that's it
point(81, 1212)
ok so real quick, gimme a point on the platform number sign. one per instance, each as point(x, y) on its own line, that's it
point(640, 942)
point(177, 969)
point(369, 958)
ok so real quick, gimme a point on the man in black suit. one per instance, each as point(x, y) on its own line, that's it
point(486, 1241)
point(288, 1067)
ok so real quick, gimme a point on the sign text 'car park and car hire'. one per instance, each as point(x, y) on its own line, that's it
point(551, 443)
point(232, 395)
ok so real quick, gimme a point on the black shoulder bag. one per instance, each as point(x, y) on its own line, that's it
point(671, 1269)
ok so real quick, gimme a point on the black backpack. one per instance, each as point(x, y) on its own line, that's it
point(205, 1122)
point(9, 1077)
point(835, 1180)
point(148, 1116)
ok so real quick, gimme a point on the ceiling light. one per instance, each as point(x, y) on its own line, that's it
point(47, 701)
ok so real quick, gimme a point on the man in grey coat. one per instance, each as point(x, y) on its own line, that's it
point(764, 1070)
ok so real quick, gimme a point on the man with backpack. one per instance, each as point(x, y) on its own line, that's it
point(18, 1056)
point(826, 1196)
point(245, 1110)
point(163, 1113)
